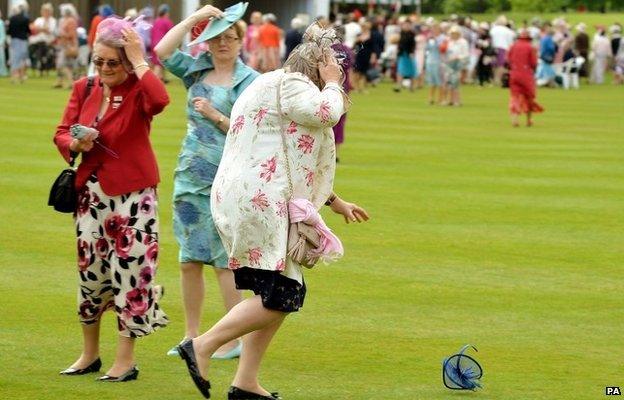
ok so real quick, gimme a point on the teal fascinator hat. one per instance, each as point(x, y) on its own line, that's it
point(217, 26)
point(461, 371)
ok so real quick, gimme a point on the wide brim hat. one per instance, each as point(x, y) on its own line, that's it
point(216, 26)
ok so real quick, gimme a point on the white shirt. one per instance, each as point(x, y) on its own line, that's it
point(352, 30)
point(44, 23)
point(502, 37)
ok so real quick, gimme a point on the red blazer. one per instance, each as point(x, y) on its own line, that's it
point(124, 128)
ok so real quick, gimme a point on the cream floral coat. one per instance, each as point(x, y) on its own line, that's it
point(250, 191)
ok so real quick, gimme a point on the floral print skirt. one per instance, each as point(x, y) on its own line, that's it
point(277, 291)
point(117, 238)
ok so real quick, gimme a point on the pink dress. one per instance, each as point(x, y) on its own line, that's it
point(161, 26)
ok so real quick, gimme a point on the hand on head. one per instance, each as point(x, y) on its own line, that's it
point(132, 46)
point(207, 12)
point(329, 70)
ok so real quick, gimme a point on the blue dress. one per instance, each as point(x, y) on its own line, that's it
point(433, 63)
point(545, 71)
point(199, 158)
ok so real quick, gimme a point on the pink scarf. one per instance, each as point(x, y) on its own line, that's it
point(302, 210)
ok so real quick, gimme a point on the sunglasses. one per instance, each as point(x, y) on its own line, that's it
point(226, 38)
point(98, 62)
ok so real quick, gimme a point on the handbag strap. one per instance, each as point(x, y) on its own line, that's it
point(90, 82)
point(283, 135)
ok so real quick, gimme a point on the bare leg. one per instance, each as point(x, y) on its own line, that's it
point(529, 121)
point(398, 83)
point(124, 359)
point(514, 120)
point(91, 345)
point(231, 297)
point(192, 295)
point(255, 345)
point(247, 316)
point(67, 72)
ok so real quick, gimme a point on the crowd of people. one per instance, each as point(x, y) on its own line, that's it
point(407, 50)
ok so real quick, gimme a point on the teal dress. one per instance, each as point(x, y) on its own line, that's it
point(199, 158)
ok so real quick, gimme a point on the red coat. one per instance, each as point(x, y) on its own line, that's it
point(124, 129)
point(522, 59)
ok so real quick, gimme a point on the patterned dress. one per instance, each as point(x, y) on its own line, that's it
point(251, 191)
point(199, 158)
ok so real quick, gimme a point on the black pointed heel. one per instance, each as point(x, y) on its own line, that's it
point(130, 375)
point(239, 394)
point(185, 349)
point(94, 367)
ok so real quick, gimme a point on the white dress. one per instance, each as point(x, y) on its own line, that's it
point(250, 191)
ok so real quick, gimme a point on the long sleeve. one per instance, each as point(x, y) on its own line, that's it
point(62, 137)
point(154, 95)
point(178, 63)
point(306, 105)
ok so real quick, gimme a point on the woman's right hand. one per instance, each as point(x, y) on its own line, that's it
point(330, 71)
point(207, 12)
point(85, 144)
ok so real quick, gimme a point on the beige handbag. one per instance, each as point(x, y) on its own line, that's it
point(302, 238)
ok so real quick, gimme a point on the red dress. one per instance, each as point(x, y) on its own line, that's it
point(522, 59)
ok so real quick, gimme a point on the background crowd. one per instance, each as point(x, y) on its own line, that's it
point(407, 49)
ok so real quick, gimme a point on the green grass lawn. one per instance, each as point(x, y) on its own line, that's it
point(507, 238)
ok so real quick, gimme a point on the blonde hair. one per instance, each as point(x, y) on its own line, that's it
point(315, 48)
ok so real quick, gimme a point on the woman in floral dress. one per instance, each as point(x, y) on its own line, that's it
point(297, 105)
point(117, 213)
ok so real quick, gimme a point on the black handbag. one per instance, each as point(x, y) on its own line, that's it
point(63, 195)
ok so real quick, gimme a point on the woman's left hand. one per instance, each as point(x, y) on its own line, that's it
point(133, 46)
point(202, 105)
point(350, 211)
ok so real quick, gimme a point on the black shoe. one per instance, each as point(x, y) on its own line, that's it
point(239, 394)
point(185, 349)
point(94, 367)
point(130, 375)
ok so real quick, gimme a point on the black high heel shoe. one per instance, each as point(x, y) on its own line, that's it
point(239, 394)
point(130, 375)
point(94, 367)
point(185, 349)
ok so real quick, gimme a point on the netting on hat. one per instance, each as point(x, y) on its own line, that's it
point(461, 372)
point(316, 48)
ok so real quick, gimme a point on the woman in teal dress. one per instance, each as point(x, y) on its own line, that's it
point(214, 81)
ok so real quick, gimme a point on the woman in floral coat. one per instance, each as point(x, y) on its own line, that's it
point(297, 106)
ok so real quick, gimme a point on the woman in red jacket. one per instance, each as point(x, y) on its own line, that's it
point(116, 217)
point(522, 59)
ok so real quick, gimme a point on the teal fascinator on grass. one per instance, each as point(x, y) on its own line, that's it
point(462, 372)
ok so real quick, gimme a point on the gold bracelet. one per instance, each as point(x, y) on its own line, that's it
point(143, 64)
point(221, 119)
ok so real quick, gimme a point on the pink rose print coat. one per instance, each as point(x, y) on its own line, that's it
point(251, 182)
